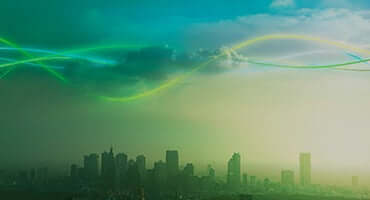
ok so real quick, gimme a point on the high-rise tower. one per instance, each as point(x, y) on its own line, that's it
point(172, 161)
point(233, 171)
point(140, 161)
point(287, 177)
point(305, 169)
point(91, 166)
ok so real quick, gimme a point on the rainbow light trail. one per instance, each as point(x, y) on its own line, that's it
point(172, 82)
point(31, 64)
point(32, 60)
point(247, 43)
point(95, 60)
point(67, 54)
point(26, 54)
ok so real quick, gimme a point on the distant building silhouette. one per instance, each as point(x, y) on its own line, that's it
point(108, 168)
point(160, 172)
point(172, 161)
point(140, 161)
point(305, 168)
point(211, 172)
point(33, 175)
point(121, 169)
point(42, 175)
point(189, 169)
point(74, 172)
point(245, 179)
point(133, 176)
point(266, 182)
point(253, 180)
point(233, 171)
point(287, 177)
point(91, 168)
point(355, 181)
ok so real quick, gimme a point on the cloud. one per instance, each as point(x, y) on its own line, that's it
point(277, 4)
point(336, 4)
point(334, 24)
point(156, 64)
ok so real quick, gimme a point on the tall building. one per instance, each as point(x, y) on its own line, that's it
point(189, 169)
point(211, 171)
point(121, 169)
point(253, 180)
point(33, 175)
point(233, 171)
point(354, 181)
point(287, 177)
point(172, 161)
point(266, 182)
point(42, 175)
point(133, 176)
point(91, 168)
point(305, 168)
point(108, 168)
point(121, 164)
point(245, 179)
point(140, 161)
point(74, 172)
point(160, 171)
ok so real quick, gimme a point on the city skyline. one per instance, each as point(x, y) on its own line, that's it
point(269, 170)
point(291, 175)
point(175, 99)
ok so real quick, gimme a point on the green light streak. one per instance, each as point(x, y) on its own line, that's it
point(104, 47)
point(309, 66)
point(160, 88)
point(172, 82)
point(247, 43)
point(32, 60)
point(26, 54)
point(79, 50)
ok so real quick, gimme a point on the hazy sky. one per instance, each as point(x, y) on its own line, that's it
point(269, 115)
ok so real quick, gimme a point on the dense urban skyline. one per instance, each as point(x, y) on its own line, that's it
point(233, 171)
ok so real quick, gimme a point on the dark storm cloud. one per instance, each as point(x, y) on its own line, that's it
point(147, 65)
point(151, 65)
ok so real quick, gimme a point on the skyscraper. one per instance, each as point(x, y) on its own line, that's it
point(74, 172)
point(108, 168)
point(245, 179)
point(160, 172)
point(189, 169)
point(305, 168)
point(140, 161)
point(91, 166)
point(133, 176)
point(42, 175)
point(253, 180)
point(121, 168)
point(172, 161)
point(233, 171)
point(287, 177)
point(121, 163)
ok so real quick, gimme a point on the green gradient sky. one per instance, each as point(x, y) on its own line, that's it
point(268, 115)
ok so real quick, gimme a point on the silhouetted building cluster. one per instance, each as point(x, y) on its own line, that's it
point(115, 176)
